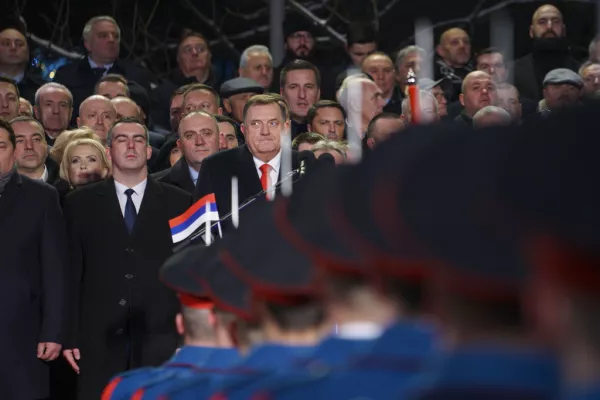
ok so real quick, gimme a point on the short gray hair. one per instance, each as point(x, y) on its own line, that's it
point(491, 110)
point(257, 48)
point(406, 51)
point(422, 93)
point(343, 96)
point(52, 85)
point(591, 50)
point(87, 29)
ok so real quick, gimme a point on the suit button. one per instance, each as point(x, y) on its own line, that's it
point(119, 331)
point(129, 250)
point(129, 276)
point(122, 302)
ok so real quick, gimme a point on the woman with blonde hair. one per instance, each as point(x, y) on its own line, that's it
point(62, 140)
point(84, 162)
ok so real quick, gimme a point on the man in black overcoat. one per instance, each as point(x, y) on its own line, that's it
point(33, 280)
point(257, 164)
point(119, 236)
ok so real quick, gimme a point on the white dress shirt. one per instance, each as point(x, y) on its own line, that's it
point(94, 65)
point(44, 177)
point(275, 164)
point(136, 197)
point(194, 175)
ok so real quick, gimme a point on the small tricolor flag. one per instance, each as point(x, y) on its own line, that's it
point(203, 211)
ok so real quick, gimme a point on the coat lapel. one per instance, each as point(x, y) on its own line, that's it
point(10, 194)
point(150, 207)
point(247, 176)
point(108, 192)
point(181, 174)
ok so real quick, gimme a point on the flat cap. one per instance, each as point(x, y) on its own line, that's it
point(240, 85)
point(563, 75)
point(428, 84)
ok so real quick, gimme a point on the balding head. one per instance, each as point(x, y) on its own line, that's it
point(491, 116)
point(478, 91)
point(547, 22)
point(455, 47)
point(126, 107)
point(98, 113)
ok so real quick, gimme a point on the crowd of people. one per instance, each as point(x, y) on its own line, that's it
point(438, 248)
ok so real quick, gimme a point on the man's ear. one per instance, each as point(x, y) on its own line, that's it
point(148, 152)
point(243, 129)
point(36, 112)
point(531, 31)
point(439, 49)
point(227, 106)
point(78, 122)
point(309, 128)
point(220, 111)
point(371, 143)
point(461, 98)
point(179, 324)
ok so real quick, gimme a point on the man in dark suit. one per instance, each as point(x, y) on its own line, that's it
point(257, 164)
point(33, 286)
point(14, 56)
point(101, 37)
point(198, 139)
point(123, 316)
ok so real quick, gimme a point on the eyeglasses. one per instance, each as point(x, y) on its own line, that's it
point(299, 35)
point(194, 49)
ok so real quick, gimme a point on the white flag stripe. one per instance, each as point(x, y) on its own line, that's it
point(209, 216)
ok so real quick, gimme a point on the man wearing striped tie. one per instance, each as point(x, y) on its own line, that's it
point(119, 236)
point(257, 164)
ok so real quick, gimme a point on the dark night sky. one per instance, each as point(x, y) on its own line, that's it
point(396, 27)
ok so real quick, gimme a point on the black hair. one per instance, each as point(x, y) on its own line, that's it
point(297, 65)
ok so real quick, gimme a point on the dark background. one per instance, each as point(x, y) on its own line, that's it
point(150, 26)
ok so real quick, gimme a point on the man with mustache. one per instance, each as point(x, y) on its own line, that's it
point(478, 91)
point(122, 314)
point(453, 61)
point(101, 38)
point(550, 50)
point(299, 33)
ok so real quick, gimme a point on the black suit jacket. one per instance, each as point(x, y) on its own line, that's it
point(123, 315)
point(81, 79)
point(178, 175)
point(217, 171)
point(30, 83)
point(33, 284)
point(528, 76)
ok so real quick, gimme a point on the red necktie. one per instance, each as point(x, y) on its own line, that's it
point(264, 178)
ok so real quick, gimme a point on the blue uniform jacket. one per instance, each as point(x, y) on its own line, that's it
point(591, 393)
point(486, 372)
point(145, 383)
point(261, 361)
point(383, 372)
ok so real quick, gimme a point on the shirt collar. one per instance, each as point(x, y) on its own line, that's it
point(275, 162)
point(94, 65)
point(138, 189)
point(44, 176)
point(193, 174)
point(17, 78)
point(360, 330)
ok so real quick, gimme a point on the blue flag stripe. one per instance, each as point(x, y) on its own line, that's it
point(202, 210)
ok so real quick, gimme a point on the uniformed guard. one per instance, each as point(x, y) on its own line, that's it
point(549, 184)
point(290, 326)
point(207, 345)
point(479, 280)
